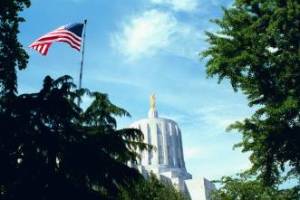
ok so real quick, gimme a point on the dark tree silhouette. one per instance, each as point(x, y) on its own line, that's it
point(49, 149)
point(12, 54)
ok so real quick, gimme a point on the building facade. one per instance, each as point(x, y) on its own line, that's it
point(167, 159)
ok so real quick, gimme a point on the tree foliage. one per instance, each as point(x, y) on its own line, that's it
point(50, 149)
point(12, 54)
point(151, 189)
point(243, 188)
point(257, 48)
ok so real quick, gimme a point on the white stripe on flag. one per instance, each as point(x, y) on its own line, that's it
point(44, 49)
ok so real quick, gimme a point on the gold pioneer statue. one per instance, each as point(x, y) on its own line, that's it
point(153, 102)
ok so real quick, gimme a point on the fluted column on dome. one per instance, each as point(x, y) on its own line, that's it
point(174, 145)
point(154, 140)
point(181, 159)
point(165, 143)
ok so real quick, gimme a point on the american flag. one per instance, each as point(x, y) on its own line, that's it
point(70, 34)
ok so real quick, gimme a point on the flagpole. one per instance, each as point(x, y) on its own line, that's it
point(82, 60)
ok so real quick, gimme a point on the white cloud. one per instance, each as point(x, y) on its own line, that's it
point(192, 152)
point(178, 5)
point(145, 34)
point(155, 31)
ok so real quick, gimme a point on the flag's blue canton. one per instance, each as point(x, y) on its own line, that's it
point(75, 28)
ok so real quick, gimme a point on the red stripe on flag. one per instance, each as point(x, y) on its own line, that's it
point(43, 43)
point(61, 35)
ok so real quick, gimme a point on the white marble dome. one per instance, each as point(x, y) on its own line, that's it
point(165, 135)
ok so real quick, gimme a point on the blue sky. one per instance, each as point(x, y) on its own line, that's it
point(138, 47)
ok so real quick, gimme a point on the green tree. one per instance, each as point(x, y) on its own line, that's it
point(245, 188)
point(12, 54)
point(151, 189)
point(257, 48)
point(50, 149)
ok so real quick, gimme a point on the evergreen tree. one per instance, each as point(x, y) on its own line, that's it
point(258, 49)
point(49, 147)
point(12, 54)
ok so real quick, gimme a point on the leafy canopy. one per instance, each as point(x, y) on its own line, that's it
point(257, 48)
point(243, 188)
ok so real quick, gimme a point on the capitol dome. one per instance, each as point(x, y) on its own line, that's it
point(167, 158)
